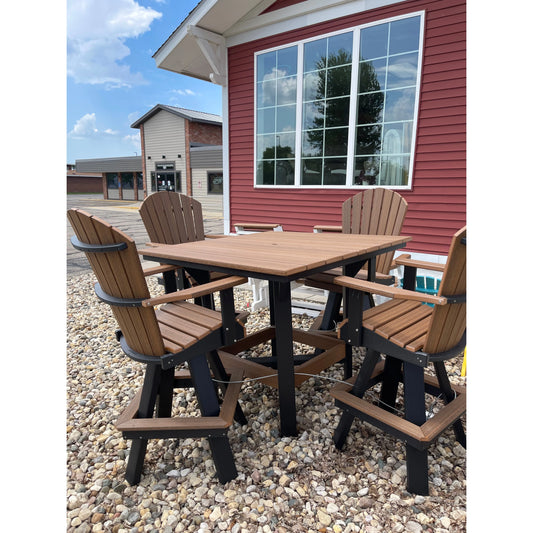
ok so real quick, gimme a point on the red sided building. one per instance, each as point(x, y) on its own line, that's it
point(324, 99)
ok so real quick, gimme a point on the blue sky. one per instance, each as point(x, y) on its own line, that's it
point(112, 78)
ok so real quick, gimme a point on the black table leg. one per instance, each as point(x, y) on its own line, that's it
point(284, 353)
point(170, 281)
point(272, 306)
point(415, 412)
point(201, 277)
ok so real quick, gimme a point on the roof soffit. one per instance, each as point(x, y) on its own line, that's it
point(181, 52)
point(299, 15)
point(238, 22)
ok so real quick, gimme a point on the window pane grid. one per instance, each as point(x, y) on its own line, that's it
point(326, 102)
point(388, 67)
point(305, 129)
point(276, 117)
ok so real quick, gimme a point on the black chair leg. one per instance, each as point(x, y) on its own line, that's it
point(220, 373)
point(446, 389)
point(152, 380)
point(165, 395)
point(417, 470)
point(209, 406)
point(389, 385)
point(223, 458)
point(136, 461)
point(331, 311)
point(343, 428)
point(348, 361)
point(360, 386)
point(365, 372)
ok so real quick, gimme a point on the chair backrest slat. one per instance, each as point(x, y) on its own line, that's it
point(156, 226)
point(172, 218)
point(448, 322)
point(120, 275)
point(375, 212)
point(172, 211)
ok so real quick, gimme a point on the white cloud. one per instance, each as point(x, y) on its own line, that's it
point(85, 128)
point(96, 32)
point(179, 97)
point(135, 139)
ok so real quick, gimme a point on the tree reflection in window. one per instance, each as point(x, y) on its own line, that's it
point(372, 136)
point(326, 110)
point(276, 116)
point(388, 67)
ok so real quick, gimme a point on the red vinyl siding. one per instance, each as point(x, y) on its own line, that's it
point(437, 200)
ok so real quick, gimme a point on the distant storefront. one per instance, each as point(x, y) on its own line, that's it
point(181, 151)
point(122, 177)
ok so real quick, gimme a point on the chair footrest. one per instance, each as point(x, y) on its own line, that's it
point(176, 427)
point(418, 436)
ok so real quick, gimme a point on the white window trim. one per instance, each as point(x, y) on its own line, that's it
point(256, 26)
point(353, 107)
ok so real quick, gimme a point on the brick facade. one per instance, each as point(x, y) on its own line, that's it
point(84, 184)
point(205, 133)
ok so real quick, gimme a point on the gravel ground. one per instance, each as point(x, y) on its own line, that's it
point(297, 484)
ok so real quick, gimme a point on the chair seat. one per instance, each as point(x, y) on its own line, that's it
point(182, 324)
point(404, 323)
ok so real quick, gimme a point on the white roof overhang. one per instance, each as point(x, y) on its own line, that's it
point(197, 47)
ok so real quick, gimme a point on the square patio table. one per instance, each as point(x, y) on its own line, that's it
point(279, 258)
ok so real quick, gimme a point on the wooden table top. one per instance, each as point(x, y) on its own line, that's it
point(282, 254)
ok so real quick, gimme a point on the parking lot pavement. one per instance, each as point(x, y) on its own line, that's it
point(123, 214)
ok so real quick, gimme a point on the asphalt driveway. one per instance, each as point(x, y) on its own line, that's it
point(124, 214)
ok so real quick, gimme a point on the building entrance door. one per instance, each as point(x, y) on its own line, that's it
point(166, 181)
point(165, 178)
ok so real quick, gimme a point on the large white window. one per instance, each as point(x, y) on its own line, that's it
point(339, 110)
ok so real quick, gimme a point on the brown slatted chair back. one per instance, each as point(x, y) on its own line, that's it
point(448, 322)
point(120, 275)
point(375, 212)
point(172, 218)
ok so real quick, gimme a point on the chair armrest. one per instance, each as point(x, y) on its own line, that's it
point(250, 226)
point(330, 229)
point(195, 292)
point(389, 291)
point(151, 271)
point(397, 260)
point(406, 261)
point(213, 236)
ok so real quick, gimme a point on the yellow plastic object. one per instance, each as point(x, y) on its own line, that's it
point(463, 369)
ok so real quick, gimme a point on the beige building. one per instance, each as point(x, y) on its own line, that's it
point(182, 151)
